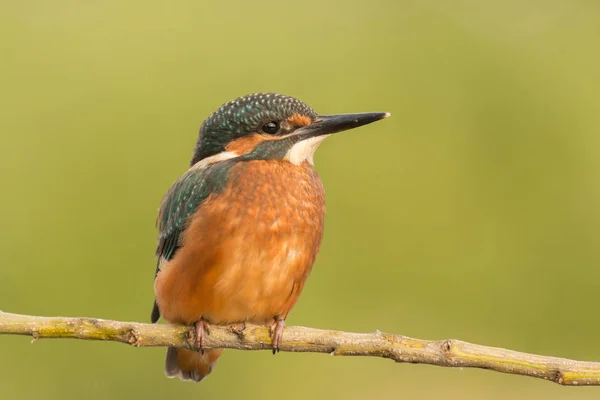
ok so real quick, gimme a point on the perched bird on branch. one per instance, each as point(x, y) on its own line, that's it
point(240, 230)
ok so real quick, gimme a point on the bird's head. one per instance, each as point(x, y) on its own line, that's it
point(271, 126)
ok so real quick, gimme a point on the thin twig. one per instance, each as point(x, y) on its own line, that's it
point(446, 353)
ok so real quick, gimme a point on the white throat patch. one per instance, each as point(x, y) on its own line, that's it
point(304, 150)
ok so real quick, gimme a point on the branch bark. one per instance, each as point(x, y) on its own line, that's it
point(445, 353)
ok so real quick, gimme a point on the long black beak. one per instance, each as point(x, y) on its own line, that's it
point(328, 124)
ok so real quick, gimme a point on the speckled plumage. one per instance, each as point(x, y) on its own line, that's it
point(241, 116)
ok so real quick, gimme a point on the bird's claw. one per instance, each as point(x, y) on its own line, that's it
point(277, 332)
point(202, 330)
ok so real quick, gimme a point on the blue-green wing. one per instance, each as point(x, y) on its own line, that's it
point(182, 199)
point(180, 202)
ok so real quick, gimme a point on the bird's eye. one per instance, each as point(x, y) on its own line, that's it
point(270, 127)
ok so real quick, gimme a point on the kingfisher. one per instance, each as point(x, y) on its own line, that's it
point(240, 230)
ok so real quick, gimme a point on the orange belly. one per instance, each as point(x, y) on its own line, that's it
point(248, 250)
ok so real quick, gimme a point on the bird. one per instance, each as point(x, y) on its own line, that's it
point(240, 230)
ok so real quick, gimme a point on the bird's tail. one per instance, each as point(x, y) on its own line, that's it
point(190, 365)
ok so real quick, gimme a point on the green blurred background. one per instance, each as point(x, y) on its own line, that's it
point(472, 213)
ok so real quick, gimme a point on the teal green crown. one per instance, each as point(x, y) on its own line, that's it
point(242, 116)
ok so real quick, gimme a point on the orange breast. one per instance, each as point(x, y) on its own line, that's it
point(248, 250)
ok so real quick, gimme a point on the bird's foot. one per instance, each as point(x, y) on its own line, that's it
point(202, 330)
point(277, 332)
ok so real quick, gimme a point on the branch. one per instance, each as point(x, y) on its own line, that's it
point(445, 353)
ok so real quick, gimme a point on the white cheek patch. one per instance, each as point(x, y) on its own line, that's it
point(304, 150)
point(225, 155)
point(162, 263)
